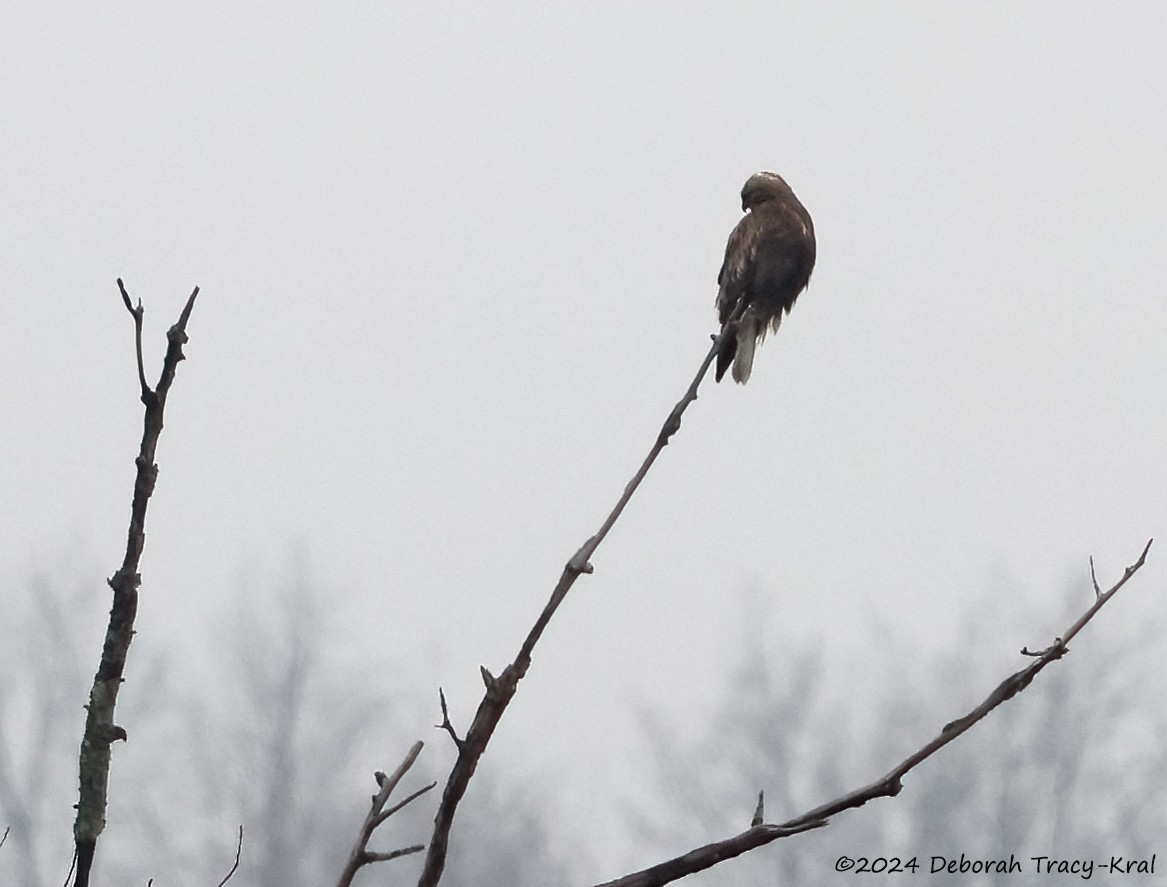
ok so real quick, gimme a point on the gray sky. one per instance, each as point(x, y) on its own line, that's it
point(457, 265)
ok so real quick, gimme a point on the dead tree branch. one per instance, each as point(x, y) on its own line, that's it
point(360, 854)
point(500, 690)
point(889, 785)
point(100, 729)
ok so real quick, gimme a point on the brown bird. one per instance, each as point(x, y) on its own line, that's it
point(768, 261)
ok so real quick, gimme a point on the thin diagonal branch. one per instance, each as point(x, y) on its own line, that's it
point(100, 729)
point(500, 690)
point(888, 786)
point(238, 855)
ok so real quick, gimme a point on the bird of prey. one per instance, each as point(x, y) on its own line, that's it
point(768, 261)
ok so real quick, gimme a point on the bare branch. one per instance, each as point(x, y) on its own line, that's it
point(445, 724)
point(360, 854)
point(137, 314)
point(500, 690)
point(238, 854)
point(710, 855)
point(100, 729)
point(888, 786)
point(381, 817)
point(891, 784)
point(1089, 614)
point(393, 854)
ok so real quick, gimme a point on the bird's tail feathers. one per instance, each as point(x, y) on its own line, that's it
point(725, 356)
point(748, 335)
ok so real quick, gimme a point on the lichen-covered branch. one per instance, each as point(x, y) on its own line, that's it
point(100, 729)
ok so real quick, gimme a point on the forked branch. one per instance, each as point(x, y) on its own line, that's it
point(361, 854)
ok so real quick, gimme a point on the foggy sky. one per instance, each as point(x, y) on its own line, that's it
point(458, 263)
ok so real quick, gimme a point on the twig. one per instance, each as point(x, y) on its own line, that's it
point(393, 854)
point(381, 817)
point(500, 690)
point(238, 854)
point(360, 854)
point(4, 837)
point(889, 786)
point(137, 314)
point(100, 729)
point(445, 724)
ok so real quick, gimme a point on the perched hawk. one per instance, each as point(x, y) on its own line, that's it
point(768, 261)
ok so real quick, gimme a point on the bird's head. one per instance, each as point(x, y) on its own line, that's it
point(763, 186)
